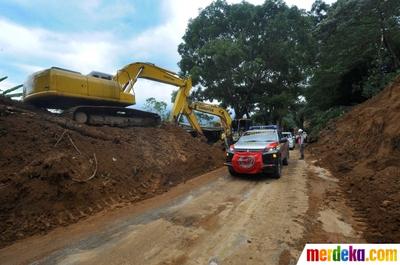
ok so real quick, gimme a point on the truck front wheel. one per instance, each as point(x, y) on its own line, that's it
point(232, 171)
point(278, 170)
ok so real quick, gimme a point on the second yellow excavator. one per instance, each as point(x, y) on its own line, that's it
point(223, 114)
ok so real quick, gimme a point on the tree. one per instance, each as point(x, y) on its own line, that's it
point(356, 55)
point(204, 119)
point(159, 107)
point(213, 53)
point(282, 65)
point(248, 56)
point(357, 51)
point(319, 11)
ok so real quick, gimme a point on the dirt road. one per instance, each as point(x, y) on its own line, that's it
point(213, 219)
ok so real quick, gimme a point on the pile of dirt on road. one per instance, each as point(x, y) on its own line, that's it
point(54, 172)
point(363, 148)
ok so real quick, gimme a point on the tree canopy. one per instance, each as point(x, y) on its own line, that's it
point(280, 64)
point(159, 107)
point(248, 57)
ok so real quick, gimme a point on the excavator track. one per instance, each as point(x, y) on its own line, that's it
point(113, 116)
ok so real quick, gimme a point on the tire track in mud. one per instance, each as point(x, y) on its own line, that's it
point(225, 220)
point(230, 221)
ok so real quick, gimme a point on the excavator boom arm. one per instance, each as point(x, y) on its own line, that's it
point(215, 110)
point(128, 75)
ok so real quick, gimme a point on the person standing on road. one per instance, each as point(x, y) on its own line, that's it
point(301, 138)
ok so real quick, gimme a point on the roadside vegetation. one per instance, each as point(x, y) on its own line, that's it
point(280, 64)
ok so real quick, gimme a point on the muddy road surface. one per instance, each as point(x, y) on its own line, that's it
point(213, 219)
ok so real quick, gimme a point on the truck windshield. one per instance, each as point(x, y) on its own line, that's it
point(259, 137)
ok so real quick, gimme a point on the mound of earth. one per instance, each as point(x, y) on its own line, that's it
point(54, 172)
point(363, 148)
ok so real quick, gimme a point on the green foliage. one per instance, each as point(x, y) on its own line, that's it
point(204, 119)
point(243, 55)
point(375, 81)
point(282, 65)
point(319, 119)
point(358, 51)
point(159, 107)
point(357, 55)
point(173, 95)
point(289, 122)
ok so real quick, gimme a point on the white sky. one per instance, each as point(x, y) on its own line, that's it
point(33, 48)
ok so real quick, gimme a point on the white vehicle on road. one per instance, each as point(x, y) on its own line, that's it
point(289, 136)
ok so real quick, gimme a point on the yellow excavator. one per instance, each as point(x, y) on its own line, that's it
point(102, 99)
point(223, 114)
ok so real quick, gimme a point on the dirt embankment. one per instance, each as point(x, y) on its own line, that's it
point(363, 148)
point(54, 172)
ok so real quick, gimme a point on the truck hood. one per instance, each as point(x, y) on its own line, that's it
point(251, 145)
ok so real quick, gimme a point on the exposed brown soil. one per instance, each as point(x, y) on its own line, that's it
point(362, 148)
point(55, 172)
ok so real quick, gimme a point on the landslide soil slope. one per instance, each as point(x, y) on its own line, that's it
point(363, 149)
point(54, 172)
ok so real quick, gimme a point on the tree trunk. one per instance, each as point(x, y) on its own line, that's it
point(238, 112)
point(384, 39)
